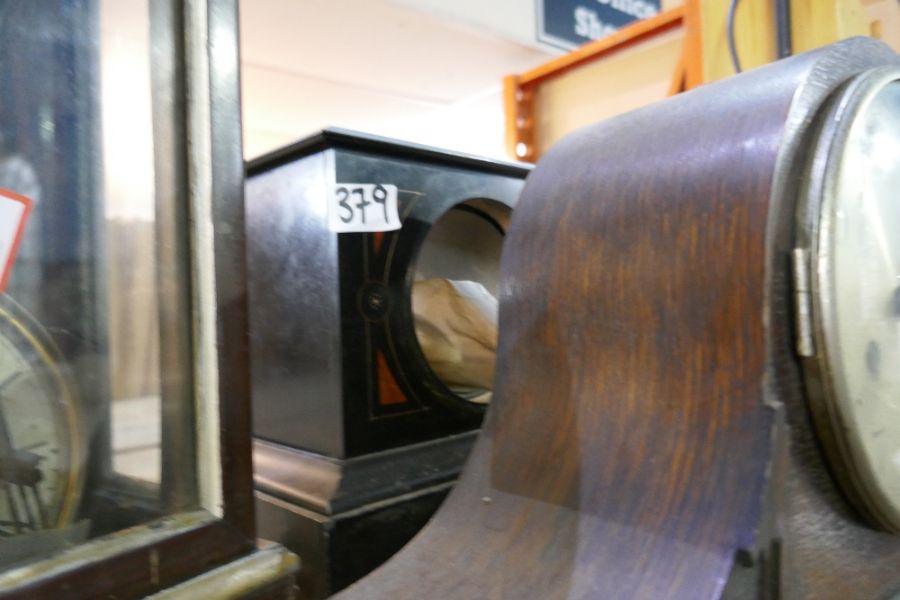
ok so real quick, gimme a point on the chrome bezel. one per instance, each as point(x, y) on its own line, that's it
point(827, 390)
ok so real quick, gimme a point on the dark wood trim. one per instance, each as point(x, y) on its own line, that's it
point(344, 139)
point(230, 268)
point(142, 569)
point(331, 485)
point(137, 572)
point(648, 426)
point(173, 269)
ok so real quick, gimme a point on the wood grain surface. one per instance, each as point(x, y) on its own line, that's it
point(644, 360)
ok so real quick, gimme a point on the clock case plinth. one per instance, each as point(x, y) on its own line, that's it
point(346, 517)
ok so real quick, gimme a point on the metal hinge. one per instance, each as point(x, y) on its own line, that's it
point(802, 302)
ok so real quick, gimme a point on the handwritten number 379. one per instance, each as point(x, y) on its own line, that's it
point(344, 194)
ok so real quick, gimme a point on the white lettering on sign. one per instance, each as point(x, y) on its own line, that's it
point(14, 210)
point(363, 207)
point(589, 25)
point(639, 9)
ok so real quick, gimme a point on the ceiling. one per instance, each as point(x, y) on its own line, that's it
point(377, 66)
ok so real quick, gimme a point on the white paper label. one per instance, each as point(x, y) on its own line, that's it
point(12, 215)
point(363, 207)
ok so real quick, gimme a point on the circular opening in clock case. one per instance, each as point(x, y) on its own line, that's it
point(454, 296)
point(853, 208)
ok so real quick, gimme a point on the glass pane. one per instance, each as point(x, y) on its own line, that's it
point(96, 429)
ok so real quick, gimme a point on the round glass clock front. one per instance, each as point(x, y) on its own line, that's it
point(856, 291)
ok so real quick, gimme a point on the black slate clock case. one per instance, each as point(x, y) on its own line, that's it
point(347, 411)
point(336, 366)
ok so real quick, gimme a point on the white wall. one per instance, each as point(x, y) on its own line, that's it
point(377, 66)
point(510, 19)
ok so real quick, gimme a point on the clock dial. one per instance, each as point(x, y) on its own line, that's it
point(857, 294)
point(39, 457)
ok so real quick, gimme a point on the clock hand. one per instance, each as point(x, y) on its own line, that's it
point(34, 446)
point(32, 522)
point(6, 457)
point(19, 468)
point(18, 465)
point(42, 511)
point(873, 215)
point(9, 380)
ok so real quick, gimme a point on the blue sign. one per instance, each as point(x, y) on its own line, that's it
point(568, 24)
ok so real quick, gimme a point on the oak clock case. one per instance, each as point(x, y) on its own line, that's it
point(351, 383)
point(690, 341)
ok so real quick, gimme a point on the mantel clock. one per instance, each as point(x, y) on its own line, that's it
point(698, 374)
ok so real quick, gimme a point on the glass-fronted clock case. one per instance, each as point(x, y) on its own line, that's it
point(122, 321)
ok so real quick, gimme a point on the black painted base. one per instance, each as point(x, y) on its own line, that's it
point(346, 517)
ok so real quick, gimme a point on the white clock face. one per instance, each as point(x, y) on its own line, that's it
point(38, 466)
point(858, 275)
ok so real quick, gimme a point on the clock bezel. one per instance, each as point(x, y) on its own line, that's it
point(818, 343)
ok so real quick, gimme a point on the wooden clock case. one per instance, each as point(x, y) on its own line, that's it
point(650, 435)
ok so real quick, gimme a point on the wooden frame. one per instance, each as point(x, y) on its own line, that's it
point(519, 90)
point(704, 55)
point(203, 173)
point(650, 436)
